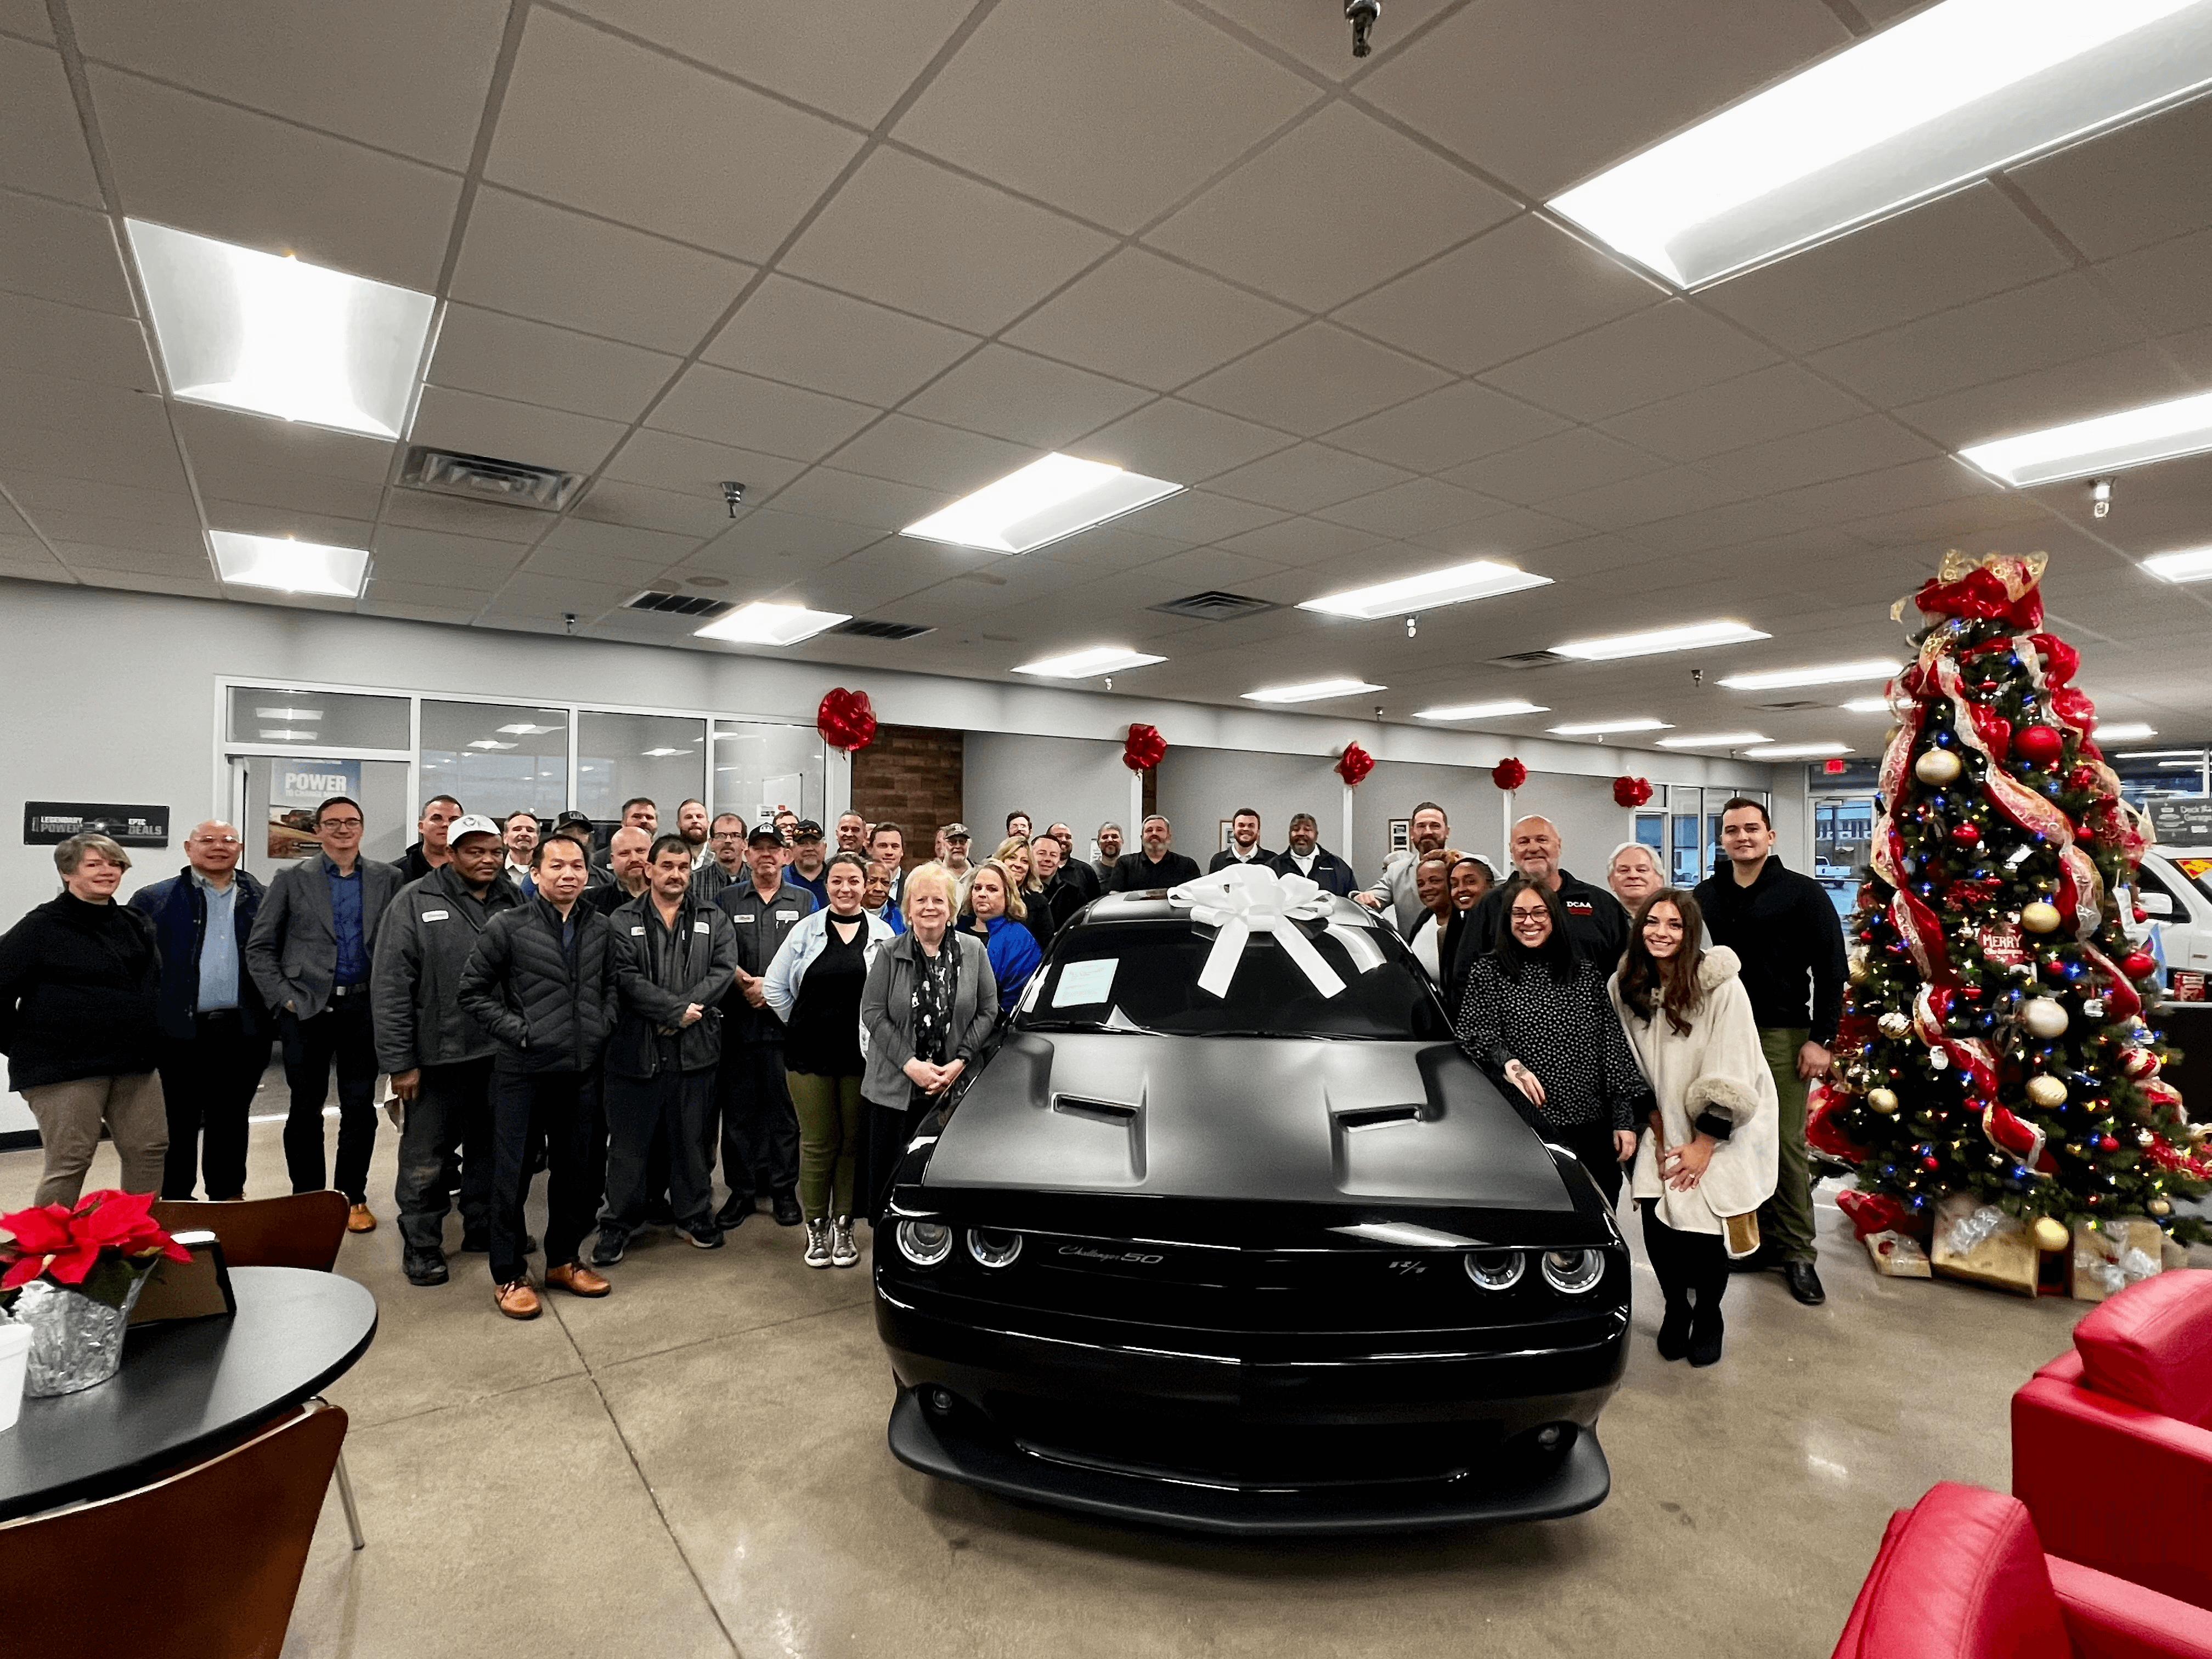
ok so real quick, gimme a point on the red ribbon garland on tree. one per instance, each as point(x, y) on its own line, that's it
point(1509, 775)
point(846, 720)
point(1354, 764)
point(1143, 748)
point(1630, 792)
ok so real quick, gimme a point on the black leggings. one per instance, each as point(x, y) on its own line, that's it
point(1685, 1261)
point(1592, 1145)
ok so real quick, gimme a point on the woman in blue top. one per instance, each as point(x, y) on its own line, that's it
point(995, 912)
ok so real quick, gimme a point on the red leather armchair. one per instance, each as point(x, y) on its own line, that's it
point(2112, 1445)
point(1960, 1575)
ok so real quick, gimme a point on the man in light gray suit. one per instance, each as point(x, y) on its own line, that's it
point(309, 954)
point(1393, 892)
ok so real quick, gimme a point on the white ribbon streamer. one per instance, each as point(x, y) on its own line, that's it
point(1240, 902)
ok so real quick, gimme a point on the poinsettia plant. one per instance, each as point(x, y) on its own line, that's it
point(99, 1246)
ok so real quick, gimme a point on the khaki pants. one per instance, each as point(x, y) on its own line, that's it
point(1785, 1220)
point(70, 1116)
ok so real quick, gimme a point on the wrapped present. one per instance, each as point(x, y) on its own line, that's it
point(1896, 1255)
point(1977, 1241)
point(2114, 1254)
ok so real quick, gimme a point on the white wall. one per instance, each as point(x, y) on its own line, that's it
point(1068, 780)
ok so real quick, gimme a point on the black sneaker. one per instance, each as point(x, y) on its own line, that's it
point(731, 1216)
point(784, 1207)
point(706, 1238)
point(609, 1249)
point(427, 1267)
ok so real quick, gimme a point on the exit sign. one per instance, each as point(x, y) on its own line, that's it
point(1831, 767)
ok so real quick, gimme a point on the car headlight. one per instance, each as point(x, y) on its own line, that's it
point(1495, 1270)
point(925, 1243)
point(1573, 1271)
point(992, 1248)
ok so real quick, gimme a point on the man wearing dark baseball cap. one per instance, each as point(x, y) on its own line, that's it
point(808, 859)
point(757, 1129)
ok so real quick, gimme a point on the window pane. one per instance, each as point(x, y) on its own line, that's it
point(759, 768)
point(660, 757)
point(496, 758)
point(281, 793)
point(316, 719)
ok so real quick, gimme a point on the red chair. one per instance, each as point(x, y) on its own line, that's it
point(2112, 1445)
point(1961, 1575)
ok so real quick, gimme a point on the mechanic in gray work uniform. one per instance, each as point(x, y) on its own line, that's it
point(759, 1130)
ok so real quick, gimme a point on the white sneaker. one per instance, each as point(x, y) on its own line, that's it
point(817, 1243)
point(843, 1252)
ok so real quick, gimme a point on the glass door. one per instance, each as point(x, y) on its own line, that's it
point(274, 799)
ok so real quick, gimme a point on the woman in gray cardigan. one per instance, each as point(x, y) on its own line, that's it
point(926, 1012)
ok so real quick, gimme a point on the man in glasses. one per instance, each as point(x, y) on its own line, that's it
point(726, 861)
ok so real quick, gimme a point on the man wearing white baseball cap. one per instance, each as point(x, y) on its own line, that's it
point(439, 1057)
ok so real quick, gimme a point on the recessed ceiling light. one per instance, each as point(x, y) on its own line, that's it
point(1952, 94)
point(524, 729)
point(1310, 691)
point(1866, 706)
point(283, 734)
point(1479, 579)
point(272, 336)
point(493, 743)
point(2191, 566)
point(1600, 728)
point(663, 752)
point(1715, 740)
point(1797, 751)
point(1830, 673)
point(290, 567)
point(2125, 732)
point(1043, 502)
point(1088, 664)
point(2107, 443)
point(1687, 637)
point(763, 623)
point(289, 713)
point(1483, 711)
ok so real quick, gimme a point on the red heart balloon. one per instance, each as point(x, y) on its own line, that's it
point(1143, 748)
point(1353, 764)
point(846, 720)
point(1509, 773)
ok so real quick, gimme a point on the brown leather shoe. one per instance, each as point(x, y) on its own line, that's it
point(516, 1301)
point(577, 1279)
point(359, 1220)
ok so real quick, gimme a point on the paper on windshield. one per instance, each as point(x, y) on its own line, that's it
point(1084, 983)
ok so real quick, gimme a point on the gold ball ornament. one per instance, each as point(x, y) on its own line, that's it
point(2051, 1234)
point(1936, 766)
point(2039, 917)
point(1883, 1100)
point(1858, 971)
point(1894, 1025)
point(2158, 1206)
point(2046, 1091)
point(2046, 1017)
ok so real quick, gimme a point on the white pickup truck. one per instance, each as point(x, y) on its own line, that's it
point(2174, 888)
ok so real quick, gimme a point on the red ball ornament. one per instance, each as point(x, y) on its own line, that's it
point(846, 720)
point(2139, 1063)
point(2040, 744)
point(2138, 964)
point(1930, 1164)
point(2108, 1143)
point(1509, 773)
point(1143, 748)
point(2141, 914)
point(1966, 835)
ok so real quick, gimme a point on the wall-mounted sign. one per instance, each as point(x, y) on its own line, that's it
point(51, 823)
point(296, 789)
point(2182, 821)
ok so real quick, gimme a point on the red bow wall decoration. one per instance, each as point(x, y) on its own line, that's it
point(1509, 773)
point(1353, 764)
point(1143, 748)
point(846, 720)
point(1630, 792)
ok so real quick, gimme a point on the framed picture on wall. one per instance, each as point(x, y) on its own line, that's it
point(1402, 833)
point(1221, 845)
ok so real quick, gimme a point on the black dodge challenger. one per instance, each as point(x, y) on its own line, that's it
point(1260, 1255)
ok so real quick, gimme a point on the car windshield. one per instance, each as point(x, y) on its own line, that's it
point(1143, 976)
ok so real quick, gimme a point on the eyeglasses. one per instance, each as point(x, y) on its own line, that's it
point(337, 823)
point(215, 841)
point(1520, 916)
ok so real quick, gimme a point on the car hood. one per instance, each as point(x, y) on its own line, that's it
point(1296, 1119)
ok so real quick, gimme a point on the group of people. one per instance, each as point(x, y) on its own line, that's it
point(621, 1016)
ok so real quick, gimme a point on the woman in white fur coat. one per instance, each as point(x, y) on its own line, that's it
point(1710, 1152)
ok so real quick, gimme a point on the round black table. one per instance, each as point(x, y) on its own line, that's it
point(186, 1391)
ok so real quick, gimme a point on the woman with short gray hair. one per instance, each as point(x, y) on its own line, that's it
point(79, 1022)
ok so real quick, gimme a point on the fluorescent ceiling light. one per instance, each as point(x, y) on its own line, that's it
point(1954, 93)
point(1483, 711)
point(1089, 664)
point(524, 729)
point(273, 336)
point(2192, 566)
point(289, 713)
point(290, 567)
point(763, 623)
point(2155, 754)
point(1309, 691)
point(2108, 443)
point(282, 734)
point(1866, 706)
point(663, 752)
point(2125, 732)
point(493, 743)
point(1479, 580)
point(1687, 637)
point(1716, 740)
point(1043, 502)
point(1831, 673)
point(2179, 765)
point(1600, 728)
point(1797, 751)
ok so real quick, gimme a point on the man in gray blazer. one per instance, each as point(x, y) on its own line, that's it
point(309, 953)
point(1393, 892)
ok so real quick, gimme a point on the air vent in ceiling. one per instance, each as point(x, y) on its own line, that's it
point(484, 478)
point(680, 604)
point(1802, 702)
point(880, 630)
point(1214, 606)
point(1529, 659)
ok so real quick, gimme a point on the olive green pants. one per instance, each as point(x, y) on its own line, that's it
point(1785, 1220)
point(828, 1110)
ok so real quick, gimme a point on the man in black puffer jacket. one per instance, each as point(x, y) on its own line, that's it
point(542, 981)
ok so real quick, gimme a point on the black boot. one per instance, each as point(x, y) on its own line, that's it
point(1674, 1330)
point(1705, 1332)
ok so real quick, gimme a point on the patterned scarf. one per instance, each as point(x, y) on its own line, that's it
point(936, 981)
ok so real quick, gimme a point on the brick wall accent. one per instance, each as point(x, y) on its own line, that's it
point(911, 776)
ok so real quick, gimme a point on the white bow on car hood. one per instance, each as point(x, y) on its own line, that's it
point(1241, 900)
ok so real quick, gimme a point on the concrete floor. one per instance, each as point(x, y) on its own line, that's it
point(695, 1466)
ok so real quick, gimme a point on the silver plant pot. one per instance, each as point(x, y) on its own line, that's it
point(75, 1342)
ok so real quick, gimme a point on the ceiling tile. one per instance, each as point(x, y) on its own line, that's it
point(1644, 357)
point(1109, 547)
point(303, 495)
point(87, 431)
point(1546, 92)
point(1319, 38)
point(54, 251)
point(1308, 476)
point(770, 534)
point(696, 515)
point(880, 504)
point(1730, 524)
point(406, 75)
point(118, 534)
point(1864, 445)
point(41, 140)
point(1517, 530)
point(1023, 398)
point(928, 456)
point(914, 235)
point(539, 261)
point(2130, 188)
point(1141, 318)
point(1945, 524)
point(2169, 285)
point(536, 364)
point(27, 17)
point(746, 412)
point(1311, 220)
point(224, 172)
point(1449, 426)
point(1769, 403)
point(1523, 285)
point(1303, 542)
point(421, 509)
point(1174, 439)
point(228, 446)
point(853, 59)
point(478, 425)
point(40, 492)
point(1412, 509)
point(1113, 112)
point(1577, 458)
point(812, 337)
point(1916, 483)
point(597, 122)
point(304, 518)
point(440, 559)
point(696, 469)
point(60, 340)
point(1656, 496)
point(1319, 377)
point(1193, 517)
point(616, 541)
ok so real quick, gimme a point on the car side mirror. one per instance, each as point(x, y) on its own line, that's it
point(2156, 904)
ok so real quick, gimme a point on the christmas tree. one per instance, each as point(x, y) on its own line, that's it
point(1993, 1041)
